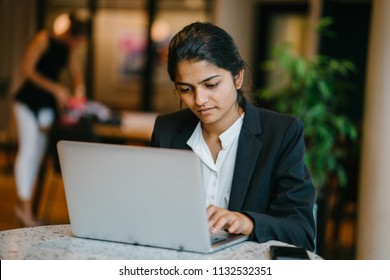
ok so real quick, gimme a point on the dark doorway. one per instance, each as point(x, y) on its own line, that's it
point(350, 29)
point(265, 16)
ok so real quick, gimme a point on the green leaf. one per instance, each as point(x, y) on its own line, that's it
point(314, 90)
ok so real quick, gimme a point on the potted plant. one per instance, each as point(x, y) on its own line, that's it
point(313, 89)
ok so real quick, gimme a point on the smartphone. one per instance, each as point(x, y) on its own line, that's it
point(288, 253)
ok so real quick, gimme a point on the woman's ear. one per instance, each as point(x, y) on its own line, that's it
point(239, 79)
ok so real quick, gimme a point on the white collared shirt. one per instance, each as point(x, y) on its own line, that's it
point(217, 176)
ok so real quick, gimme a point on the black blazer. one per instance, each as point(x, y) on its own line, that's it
point(270, 184)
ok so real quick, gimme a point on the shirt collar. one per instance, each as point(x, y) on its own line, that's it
point(227, 137)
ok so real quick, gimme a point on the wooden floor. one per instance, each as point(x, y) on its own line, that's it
point(54, 211)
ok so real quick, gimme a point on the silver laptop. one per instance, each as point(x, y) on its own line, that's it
point(138, 195)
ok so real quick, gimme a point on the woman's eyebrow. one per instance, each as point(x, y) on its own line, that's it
point(201, 82)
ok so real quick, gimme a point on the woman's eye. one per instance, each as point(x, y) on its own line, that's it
point(184, 89)
point(211, 86)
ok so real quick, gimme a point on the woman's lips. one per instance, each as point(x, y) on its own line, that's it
point(205, 110)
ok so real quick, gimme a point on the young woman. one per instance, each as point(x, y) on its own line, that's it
point(40, 98)
point(253, 168)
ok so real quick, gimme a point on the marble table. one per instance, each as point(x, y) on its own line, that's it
point(57, 243)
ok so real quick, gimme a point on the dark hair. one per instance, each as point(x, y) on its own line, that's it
point(78, 27)
point(203, 41)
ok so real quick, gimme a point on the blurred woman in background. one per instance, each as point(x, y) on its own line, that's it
point(40, 99)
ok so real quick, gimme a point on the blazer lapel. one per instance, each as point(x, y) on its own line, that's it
point(185, 130)
point(249, 147)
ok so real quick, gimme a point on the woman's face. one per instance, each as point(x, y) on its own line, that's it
point(209, 92)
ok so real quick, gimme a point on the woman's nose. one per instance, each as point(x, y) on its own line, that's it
point(201, 97)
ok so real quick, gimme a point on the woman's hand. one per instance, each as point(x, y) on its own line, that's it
point(62, 95)
point(233, 222)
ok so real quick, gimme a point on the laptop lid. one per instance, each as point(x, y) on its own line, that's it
point(139, 195)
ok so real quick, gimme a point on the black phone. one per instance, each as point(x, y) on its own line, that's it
point(288, 253)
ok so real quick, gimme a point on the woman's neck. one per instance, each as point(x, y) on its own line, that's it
point(212, 131)
point(217, 128)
